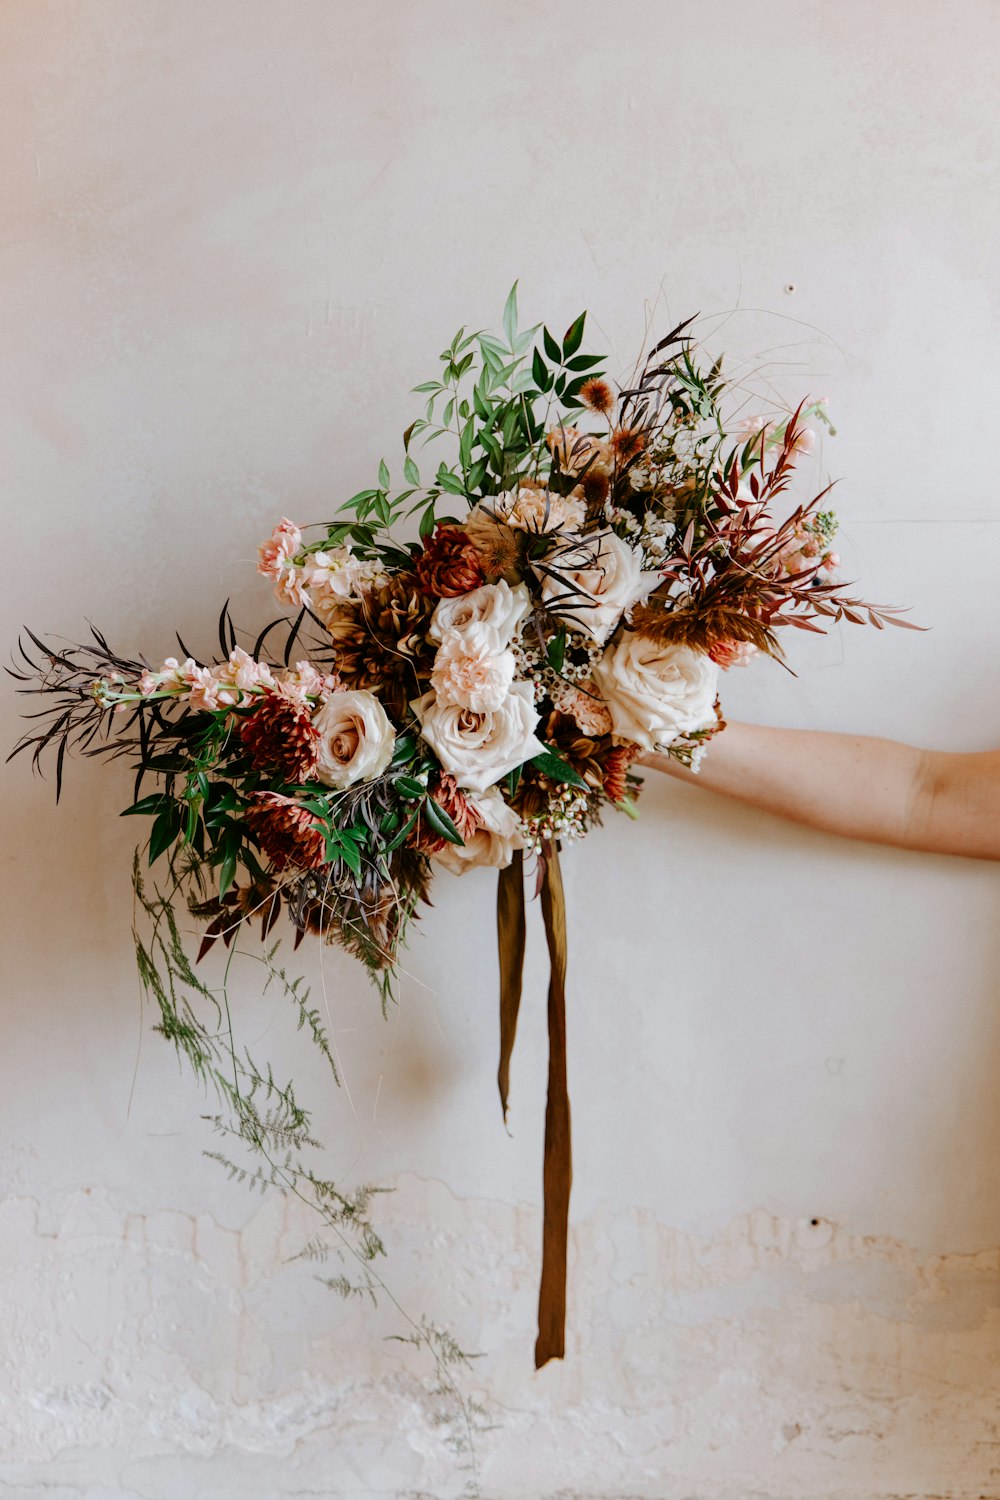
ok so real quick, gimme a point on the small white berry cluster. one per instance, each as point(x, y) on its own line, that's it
point(567, 817)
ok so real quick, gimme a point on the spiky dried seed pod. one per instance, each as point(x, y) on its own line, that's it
point(596, 394)
point(627, 443)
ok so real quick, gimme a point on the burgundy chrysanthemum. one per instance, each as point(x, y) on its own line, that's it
point(449, 565)
point(288, 834)
point(448, 796)
point(279, 737)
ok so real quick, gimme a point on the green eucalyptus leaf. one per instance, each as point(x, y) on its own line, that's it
point(574, 336)
point(155, 803)
point(440, 822)
point(556, 769)
point(403, 832)
point(164, 831)
point(539, 373)
point(510, 316)
point(427, 523)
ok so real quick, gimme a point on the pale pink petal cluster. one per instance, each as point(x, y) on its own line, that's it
point(244, 672)
point(205, 689)
point(209, 688)
point(808, 552)
point(586, 706)
point(336, 574)
point(729, 653)
point(304, 683)
point(472, 669)
point(532, 508)
point(276, 560)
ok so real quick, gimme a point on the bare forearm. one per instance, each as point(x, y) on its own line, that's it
point(861, 788)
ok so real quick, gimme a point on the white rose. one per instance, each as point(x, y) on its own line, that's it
point(472, 670)
point(590, 584)
point(493, 843)
point(478, 748)
point(657, 693)
point(356, 739)
point(495, 604)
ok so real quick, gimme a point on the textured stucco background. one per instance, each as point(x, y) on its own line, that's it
point(233, 235)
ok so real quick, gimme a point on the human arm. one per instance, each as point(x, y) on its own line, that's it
point(861, 788)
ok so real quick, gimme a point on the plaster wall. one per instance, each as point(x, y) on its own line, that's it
point(233, 235)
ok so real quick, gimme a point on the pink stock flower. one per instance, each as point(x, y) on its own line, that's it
point(208, 688)
point(276, 560)
point(304, 681)
point(279, 550)
point(244, 672)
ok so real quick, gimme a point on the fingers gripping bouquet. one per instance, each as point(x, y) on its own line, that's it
point(579, 575)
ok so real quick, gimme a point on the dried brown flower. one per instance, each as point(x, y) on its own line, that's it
point(575, 452)
point(703, 626)
point(449, 565)
point(499, 546)
point(279, 737)
point(616, 764)
point(385, 647)
point(597, 395)
point(596, 486)
point(627, 443)
point(289, 835)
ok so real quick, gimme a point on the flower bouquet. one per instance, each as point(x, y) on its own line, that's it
point(469, 670)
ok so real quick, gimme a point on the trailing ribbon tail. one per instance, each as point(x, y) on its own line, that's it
point(558, 1171)
point(510, 942)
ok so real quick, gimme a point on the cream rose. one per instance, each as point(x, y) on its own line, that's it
point(472, 670)
point(494, 604)
point(356, 739)
point(493, 843)
point(478, 748)
point(657, 693)
point(590, 584)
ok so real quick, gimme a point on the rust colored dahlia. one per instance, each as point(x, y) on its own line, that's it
point(288, 834)
point(449, 565)
point(452, 800)
point(279, 736)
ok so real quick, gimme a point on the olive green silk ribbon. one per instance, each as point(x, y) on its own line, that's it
point(557, 1174)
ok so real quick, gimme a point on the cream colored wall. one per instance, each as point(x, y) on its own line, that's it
point(234, 235)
